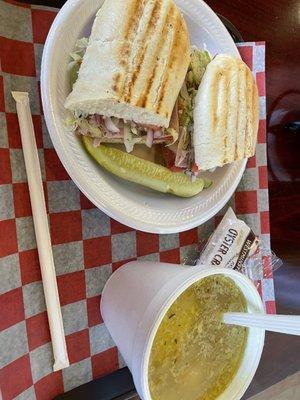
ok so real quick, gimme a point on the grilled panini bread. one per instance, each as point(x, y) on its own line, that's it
point(226, 113)
point(135, 62)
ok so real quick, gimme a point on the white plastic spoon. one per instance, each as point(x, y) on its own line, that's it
point(289, 324)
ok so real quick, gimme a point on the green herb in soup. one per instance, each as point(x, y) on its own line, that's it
point(194, 355)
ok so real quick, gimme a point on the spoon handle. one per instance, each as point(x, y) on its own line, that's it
point(289, 324)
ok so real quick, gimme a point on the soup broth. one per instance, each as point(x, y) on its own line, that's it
point(194, 355)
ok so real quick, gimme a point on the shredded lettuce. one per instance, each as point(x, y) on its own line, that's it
point(184, 106)
point(80, 48)
point(87, 128)
point(70, 122)
point(184, 139)
point(184, 93)
point(76, 58)
point(134, 130)
point(183, 149)
point(199, 62)
point(74, 72)
point(130, 141)
point(174, 135)
point(186, 100)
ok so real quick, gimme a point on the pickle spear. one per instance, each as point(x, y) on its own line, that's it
point(143, 172)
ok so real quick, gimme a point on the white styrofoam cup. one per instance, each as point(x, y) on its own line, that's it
point(135, 300)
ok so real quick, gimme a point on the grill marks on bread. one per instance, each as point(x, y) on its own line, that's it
point(226, 114)
point(135, 63)
point(172, 56)
point(165, 23)
point(143, 99)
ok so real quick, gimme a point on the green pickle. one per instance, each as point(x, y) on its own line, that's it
point(207, 183)
point(143, 172)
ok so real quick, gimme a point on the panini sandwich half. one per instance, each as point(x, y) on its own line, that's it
point(226, 114)
point(131, 73)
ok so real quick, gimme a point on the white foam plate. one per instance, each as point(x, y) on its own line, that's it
point(132, 205)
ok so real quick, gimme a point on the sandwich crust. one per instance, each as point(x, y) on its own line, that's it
point(226, 113)
point(135, 63)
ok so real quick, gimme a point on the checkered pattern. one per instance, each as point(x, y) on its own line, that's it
point(87, 245)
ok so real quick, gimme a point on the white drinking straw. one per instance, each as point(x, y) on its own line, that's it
point(42, 230)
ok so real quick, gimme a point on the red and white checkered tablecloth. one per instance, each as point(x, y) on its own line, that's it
point(87, 245)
